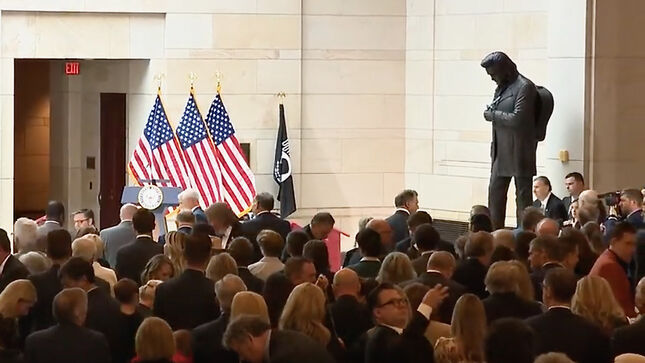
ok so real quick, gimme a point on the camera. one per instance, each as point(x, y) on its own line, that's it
point(611, 199)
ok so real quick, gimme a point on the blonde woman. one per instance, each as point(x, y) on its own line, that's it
point(468, 329)
point(305, 312)
point(15, 301)
point(221, 265)
point(158, 268)
point(396, 268)
point(154, 342)
point(525, 288)
point(174, 249)
point(249, 303)
point(594, 300)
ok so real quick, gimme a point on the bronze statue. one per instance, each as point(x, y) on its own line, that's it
point(513, 114)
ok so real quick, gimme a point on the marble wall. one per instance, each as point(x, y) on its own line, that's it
point(381, 94)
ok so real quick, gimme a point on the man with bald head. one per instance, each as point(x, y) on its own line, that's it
point(119, 235)
point(351, 318)
point(471, 271)
point(207, 338)
point(548, 227)
point(439, 270)
point(68, 341)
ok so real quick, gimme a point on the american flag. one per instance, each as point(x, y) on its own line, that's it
point(199, 154)
point(157, 154)
point(238, 180)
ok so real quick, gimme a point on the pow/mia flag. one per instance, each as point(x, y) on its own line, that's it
point(282, 170)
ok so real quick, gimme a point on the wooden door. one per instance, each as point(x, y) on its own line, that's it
point(113, 168)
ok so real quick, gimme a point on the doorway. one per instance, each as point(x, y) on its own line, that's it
point(113, 175)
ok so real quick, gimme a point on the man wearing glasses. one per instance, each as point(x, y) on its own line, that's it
point(83, 218)
point(399, 334)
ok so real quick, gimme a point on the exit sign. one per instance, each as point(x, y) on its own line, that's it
point(72, 68)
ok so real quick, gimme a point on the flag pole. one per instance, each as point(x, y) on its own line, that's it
point(218, 76)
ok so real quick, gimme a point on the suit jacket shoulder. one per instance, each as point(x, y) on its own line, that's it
point(286, 346)
point(13, 270)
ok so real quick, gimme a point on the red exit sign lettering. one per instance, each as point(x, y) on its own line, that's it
point(72, 68)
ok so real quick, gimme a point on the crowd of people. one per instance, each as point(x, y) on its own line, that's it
point(566, 285)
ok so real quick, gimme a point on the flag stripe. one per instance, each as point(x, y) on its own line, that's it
point(206, 170)
point(235, 198)
point(241, 167)
point(233, 178)
point(196, 179)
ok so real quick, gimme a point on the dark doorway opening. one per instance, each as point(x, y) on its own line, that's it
point(113, 174)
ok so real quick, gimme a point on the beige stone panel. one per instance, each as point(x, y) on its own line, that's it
point(419, 32)
point(365, 77)
point(443, 7)
point(419, 55)
point(462, 78)
point(6, 137)
point(142, 73)
point(363, 134)
point(418, 111)
point(461, 112)
point(19, 35)
point(82, 35)
point(279, 6)
point(6, 200)
point(373, 155)
point(493, 32)
point(7, 81)
point(432, 188)
point(265, 183)
point(256, 31)
point(529, 30)
point(322, 155)
point(535, 69)
point(353, 111)
point(237, 76)
point(572, 16)
point(253, 112)
point(353, 32)
point(147, 36)
point(354, 7)
point(354, 54)
point(263, 156)
point(418, 155)
point(420, 7)
point(466, 151)
point(419, 77)
point(341, 190)
point(393, 183)
point(189, 31)
point(275, 76)
point(566, 127)
point(211, 6)
point(521, 6)
point(455, 31)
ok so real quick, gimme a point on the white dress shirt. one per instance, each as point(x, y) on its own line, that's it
point(265, 267)
point(425, 310)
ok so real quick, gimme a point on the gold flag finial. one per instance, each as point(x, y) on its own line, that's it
point(281, 96)
point(158, 77)
point(218, 76)
point(192, 76)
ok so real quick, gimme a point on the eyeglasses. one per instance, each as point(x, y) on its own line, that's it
point(79, 221)
point(395, 302)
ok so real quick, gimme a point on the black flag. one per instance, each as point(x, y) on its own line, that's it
point(282, 170)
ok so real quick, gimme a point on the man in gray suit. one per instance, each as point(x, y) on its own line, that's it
point(513, 115)
point(55, 217)
point(119, 235)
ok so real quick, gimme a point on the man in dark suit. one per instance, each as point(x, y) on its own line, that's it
point(320, 226)
point(544, 254)
point(55, 217)
point(549, 203)
point(513, 118)
point(242, 252)
point(68, 341)
point(397, 337)
point(369, 243)
point(629, 339)
point(252, 338)
point(471, 271)
point(185, 221)
point(264, 219)
point(560, 330)
point(504, 301)
point(426, 239)
point(384, 230)
point(207, 338)
point(350, 317)
point(407, 246)
point(59, 250)
point(103, 311)
point(575, 184)
point(439, 270)
point(11, 268)
point(189, 200)
point(613, 265)
point(171, 302)
point(406, 203)
point(119, 235)
point(132, 258)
